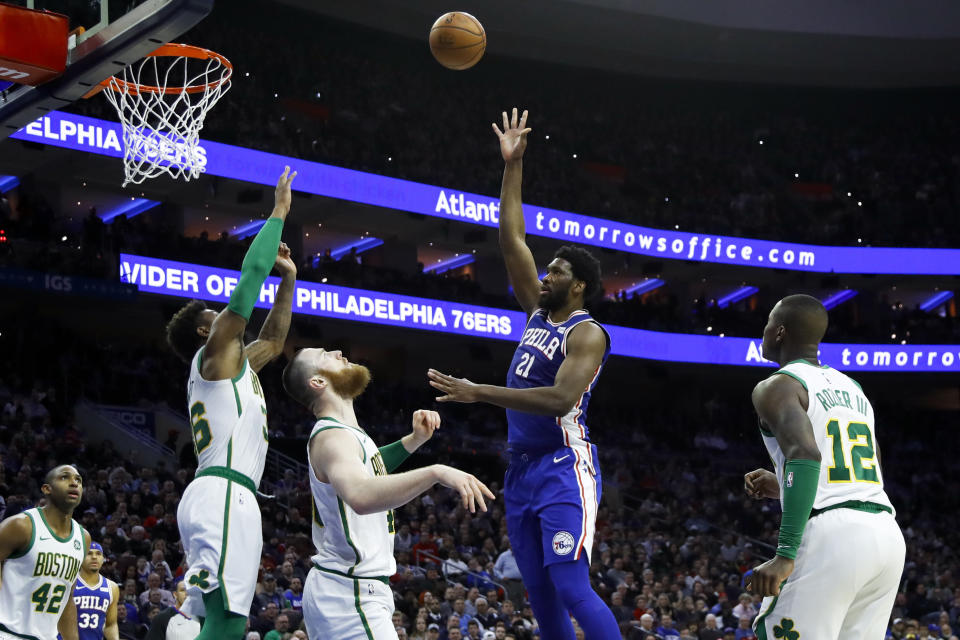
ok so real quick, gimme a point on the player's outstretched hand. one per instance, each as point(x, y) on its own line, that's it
point(425, 422)
point(454, 389)
point(470, 489)
point(513, 138)
point(770, 576)
point(285, 264)
point(760, 484)
point(282, 196)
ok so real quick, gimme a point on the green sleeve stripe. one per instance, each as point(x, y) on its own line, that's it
point(794, 376)
point(53, 533)
point(341, 426)
point(856, 383)
point(346, 532)
point(33, 538)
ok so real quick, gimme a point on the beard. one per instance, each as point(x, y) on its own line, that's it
point(349, 382)
point(553, 300)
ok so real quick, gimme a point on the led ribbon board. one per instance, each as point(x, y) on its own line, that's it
point(103, 137)
point(185, 280)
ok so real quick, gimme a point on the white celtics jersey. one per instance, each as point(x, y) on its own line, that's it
point(842, 420)
point(348, 543)
point(35, 585)
point(229, 421)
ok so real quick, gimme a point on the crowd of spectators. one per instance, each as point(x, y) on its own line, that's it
point(675, 533)
point(34, 239)
point(836, 167)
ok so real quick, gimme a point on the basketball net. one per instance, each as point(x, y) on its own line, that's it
point(162, 102)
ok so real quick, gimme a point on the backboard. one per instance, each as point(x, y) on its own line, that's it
point(116, 34)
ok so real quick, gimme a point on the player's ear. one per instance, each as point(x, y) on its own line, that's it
point(316, 383)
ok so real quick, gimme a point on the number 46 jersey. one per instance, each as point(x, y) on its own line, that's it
point(842, 420)
point(229, 421)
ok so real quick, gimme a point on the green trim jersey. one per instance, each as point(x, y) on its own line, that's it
point(348, 543)
point(229, 421)
point(37, 583)
point(844, 428)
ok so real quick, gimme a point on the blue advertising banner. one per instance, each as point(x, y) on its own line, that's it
point(186, 280)
point(70, 285)
point(103, 137)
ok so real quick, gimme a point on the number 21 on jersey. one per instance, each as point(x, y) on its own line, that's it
point(526, 363)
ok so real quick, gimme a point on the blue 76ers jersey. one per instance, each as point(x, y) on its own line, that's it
point(92, 604)
point(538, 357)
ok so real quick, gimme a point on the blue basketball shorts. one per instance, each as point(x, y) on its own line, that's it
point(551, 505)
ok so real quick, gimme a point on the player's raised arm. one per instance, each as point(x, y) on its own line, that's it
point(273, 333)
point(223, 355)
point(781, 403)
point(585, 349)
point(425, 422)
point(336, 457)
point(516, 254)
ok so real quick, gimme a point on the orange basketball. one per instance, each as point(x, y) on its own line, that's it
point(457, 40)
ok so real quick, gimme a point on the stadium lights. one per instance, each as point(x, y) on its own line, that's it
point(736, 296)
point(133, 208)
point(362, 245)
point(644, 287)
point(248, 229)
point(453, 263)
point(8, 183)
point(839, 298)
point(936, 300)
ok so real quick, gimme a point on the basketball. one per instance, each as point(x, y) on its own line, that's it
point(457, 40)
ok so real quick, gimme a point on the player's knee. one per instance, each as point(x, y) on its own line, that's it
point(572, 584)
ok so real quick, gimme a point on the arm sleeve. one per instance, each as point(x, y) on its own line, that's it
point(393, 455)
point(256, 267)
point(801, 478)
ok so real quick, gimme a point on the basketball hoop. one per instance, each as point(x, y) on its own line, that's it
point(162, 102)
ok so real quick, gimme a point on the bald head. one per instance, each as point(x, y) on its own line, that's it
point(794, 329)
point(53, 473)
point(804, 317)
point(296, 379)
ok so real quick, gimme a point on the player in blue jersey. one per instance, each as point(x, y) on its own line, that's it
point(96, 598)
point(552, 486)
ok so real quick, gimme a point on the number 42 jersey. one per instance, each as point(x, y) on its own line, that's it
point(843, 426)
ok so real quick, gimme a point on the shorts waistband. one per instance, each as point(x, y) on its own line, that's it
point(385, 580)
point(228, 474)
point(856, 505)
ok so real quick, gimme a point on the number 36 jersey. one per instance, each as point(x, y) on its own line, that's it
point(843, 425)
point(229, 421)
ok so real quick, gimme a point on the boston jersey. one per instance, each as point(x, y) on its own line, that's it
point(92, 604)
point(347, 542)
point(842, 420)
point(229, 420)
point(537, 360)
point(35, 583)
